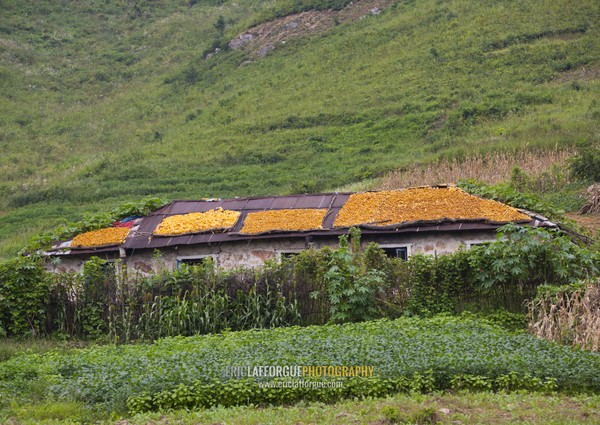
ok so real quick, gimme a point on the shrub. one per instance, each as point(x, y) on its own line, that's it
point(23, 296)
point(585, 165)
point(347, 284)
point(531, 256)
point(352, 288)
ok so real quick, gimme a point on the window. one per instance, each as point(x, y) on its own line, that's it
point(194, 261)
point(396, 252)
point(107, 266)
point(110, 266)
point(288, 254)
point(470, 244)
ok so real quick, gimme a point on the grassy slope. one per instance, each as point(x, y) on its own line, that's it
point(98, 106)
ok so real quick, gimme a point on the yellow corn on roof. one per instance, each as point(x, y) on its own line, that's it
point(217, 219)
point(108, 236)
point(421, 204)
point(289, 219)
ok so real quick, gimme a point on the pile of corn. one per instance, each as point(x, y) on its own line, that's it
point(283, 220)
point(102, 237)
point(217, 219)
point(397, 206)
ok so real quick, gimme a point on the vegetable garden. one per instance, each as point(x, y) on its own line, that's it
point(407, 354)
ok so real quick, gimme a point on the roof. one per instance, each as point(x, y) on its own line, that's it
point(427, 209)
point(331, 204)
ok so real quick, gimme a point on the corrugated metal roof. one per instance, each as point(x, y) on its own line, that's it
point(144, 239)
point(142, 236)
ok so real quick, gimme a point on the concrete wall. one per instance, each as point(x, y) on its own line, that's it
point(74, 263)
point(254, 253)
point(432, 243)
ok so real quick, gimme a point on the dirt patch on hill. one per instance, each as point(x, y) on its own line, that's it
point(261, 39)
point(589, 221)
point(584, 73)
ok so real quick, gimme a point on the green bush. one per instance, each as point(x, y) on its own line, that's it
point(93, 222)
point(531, 256)
point(506, 193)
point(24, 289)
point(340, 285)
point(352, 288)
point(585, 165)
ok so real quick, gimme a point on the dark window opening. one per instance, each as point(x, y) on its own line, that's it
point(286, 255)
point(397, 252)
point(194, 261)
point(478, 243)
point(108, 267)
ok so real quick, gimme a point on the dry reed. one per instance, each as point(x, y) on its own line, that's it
point(568, 317)
point(592, 205)
point(491, 168)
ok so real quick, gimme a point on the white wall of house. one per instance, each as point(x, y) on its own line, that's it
point(254, 252)
point(73, 263)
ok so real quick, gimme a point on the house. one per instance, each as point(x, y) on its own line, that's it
point(248, 231)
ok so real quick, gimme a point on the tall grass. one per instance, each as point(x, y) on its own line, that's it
point(492, 168)
point(568, 316)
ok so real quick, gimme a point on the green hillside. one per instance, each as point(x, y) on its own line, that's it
point(104, 101)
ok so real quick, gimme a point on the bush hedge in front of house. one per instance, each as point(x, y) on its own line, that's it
point(347, 284)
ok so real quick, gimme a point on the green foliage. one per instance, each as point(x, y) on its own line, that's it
point(352, 288)
point(123, 130)
point(425, 416)
point(391, 414)
point(509, 382)
point(246, 391)
point(585, 165)
point(94, 222)
point(437, 283)
point(407, 354)
point(471, 383)
point(23, 296)
point(506, 193)
point(549, 291)
point(346, 284)
point(220, 25)
point(511, 321)
point(531, 256)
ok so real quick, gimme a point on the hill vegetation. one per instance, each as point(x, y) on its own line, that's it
point(108, 101)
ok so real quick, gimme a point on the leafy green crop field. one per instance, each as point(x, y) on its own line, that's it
point(407, 355)
point(103, 102)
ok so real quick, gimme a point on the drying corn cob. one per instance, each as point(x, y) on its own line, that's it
point(108, 236)
point(217, 219)
point(290, 220)
point(421, 204)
